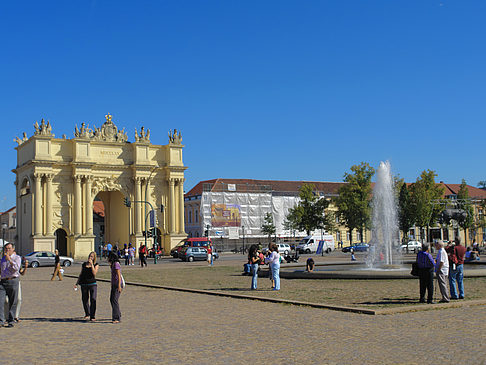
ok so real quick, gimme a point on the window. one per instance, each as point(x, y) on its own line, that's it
point(338, 236)
point(358, 236)
point(196, 218)
point(189, 217)
point(348, 236)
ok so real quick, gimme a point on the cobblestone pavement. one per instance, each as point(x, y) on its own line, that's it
point(168, 327)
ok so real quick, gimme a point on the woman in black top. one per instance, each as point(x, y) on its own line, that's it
point(89, 288)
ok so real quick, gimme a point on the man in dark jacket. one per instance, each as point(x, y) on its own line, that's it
point(425, 263)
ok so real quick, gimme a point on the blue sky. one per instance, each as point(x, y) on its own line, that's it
point(285, 90)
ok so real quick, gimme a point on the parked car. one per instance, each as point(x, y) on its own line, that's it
point(283, 248)
point(359, 247)
point(193, 254)
point(413, 246)
point(47, 258)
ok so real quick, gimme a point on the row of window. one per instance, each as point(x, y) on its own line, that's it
point(189, 216)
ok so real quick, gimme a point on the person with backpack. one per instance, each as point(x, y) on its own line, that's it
point(116, 287)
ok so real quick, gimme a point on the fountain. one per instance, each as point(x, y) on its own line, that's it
point(384, 259)
point(385, 235)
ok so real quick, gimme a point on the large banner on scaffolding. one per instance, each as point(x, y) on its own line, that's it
point(225, 215)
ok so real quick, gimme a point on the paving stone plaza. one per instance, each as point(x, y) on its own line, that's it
point(171, 327)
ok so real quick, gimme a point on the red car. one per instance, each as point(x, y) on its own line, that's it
point(190, 242)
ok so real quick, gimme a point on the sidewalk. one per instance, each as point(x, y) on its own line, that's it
point(175, 327)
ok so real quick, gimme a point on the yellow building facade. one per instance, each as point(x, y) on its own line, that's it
point(57, 180)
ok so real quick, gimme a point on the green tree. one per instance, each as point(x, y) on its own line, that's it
point(406, 218)
point(464, 203)
point(354, 200)
point(482, 184)
point(268, 227)
point(311, 212)
point(425, 194)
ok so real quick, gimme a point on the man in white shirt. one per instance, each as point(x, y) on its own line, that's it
point(442, 270)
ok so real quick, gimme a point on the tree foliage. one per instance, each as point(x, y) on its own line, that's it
point(424, 196)
point(310, 213)
point(464, 203)
point(406, 217)
point(268, 227)
point(354, 200)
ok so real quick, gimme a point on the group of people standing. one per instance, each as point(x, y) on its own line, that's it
point(272, 258)
point(89, 287)
point(448, 267)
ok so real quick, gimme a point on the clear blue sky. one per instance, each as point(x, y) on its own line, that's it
point(287, 90)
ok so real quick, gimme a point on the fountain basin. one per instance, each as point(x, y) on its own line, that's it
point(359, 271)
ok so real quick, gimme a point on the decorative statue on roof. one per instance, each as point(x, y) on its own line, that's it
point(175, 138)
point(108, 132)
point(143, 136)
point(44, 129)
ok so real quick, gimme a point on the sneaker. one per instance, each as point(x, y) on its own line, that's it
point(443, 301)
point(9, 325)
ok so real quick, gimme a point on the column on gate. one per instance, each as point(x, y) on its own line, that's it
point(48, 206)
point(138, 206)
point(77, 205)
point(88, 206)
point(172, 212)
point(181, 206)
point(37, 204)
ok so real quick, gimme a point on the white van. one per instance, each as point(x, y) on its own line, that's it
point(310, 244)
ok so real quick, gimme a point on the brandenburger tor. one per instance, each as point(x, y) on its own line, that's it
point(58, 179)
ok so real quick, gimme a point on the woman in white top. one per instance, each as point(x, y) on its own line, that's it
point(274, 261)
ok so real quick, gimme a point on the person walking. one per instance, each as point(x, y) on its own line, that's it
point(116, 287)
point(23, 268)
point(89, 287)
point(254, 260)
point(210, 254)
point(456, 269)
point(442, 270)
point(142, 254)
point(9, 283)
point(425, 263)
point(131, 252)
point(57, 267)
point(126, 254)
point(274, 260)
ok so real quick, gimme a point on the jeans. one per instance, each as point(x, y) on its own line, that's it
point(88, 296)
point(115, 305)
point(254, 279)
point(276, 275)
point(457, 274)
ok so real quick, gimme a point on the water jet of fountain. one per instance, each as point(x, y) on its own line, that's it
point(385, 235)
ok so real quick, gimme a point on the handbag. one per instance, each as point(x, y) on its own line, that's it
point(415, 269)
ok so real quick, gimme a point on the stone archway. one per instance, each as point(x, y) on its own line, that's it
point(58, 179)
point(117, 218)
point(61, 241)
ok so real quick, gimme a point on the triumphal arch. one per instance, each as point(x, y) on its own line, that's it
point(59, 179)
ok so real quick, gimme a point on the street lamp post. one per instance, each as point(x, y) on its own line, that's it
point(243, 228)
point(4, 228)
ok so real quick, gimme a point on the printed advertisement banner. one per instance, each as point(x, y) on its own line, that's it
point(225, 215)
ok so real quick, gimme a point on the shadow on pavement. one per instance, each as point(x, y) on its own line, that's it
point(61, 320)
point(392, 301)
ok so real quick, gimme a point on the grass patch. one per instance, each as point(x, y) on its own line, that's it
point(354, 293)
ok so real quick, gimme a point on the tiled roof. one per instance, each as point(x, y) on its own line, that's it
point(330, 188)
point(99, 208)
point(246, 185)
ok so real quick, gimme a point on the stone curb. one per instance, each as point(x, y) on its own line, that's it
point(386, 311)
point(251, 297)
